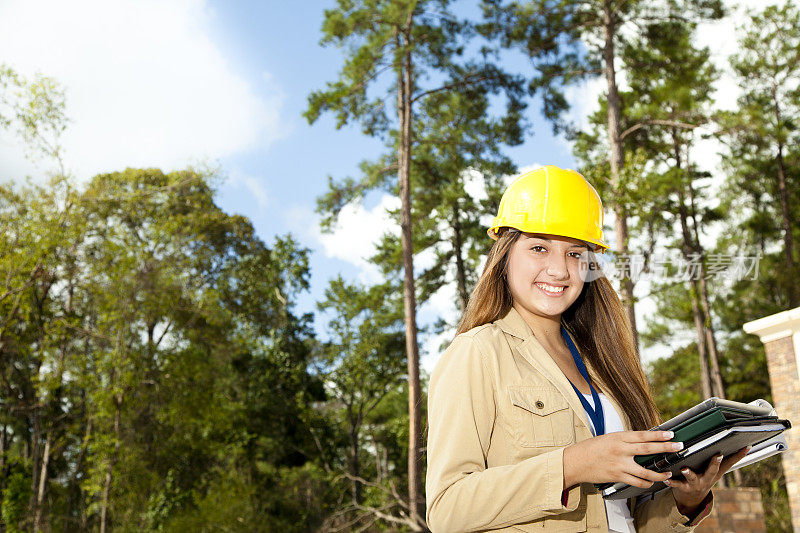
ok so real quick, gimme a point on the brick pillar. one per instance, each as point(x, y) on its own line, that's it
point(780, 334)
point(736, 510)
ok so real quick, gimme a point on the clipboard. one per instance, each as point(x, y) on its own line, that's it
point(726, 439)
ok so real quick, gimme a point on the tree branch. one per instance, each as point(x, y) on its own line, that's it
point(460, 83)
point(657, 122)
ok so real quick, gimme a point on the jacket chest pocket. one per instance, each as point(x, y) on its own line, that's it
point(541, 417)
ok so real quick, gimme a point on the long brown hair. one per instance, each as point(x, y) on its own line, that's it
point(597, 322)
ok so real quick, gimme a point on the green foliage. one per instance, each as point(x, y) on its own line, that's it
point(34, 110)
point(763, 171)
point(154, 346)
point(16, 495)
point(565, 39)
point(149, 341)
point(453, 134)
point(768, 476)
point(675, 381)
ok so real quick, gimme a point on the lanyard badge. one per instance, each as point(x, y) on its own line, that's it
point(596, 413)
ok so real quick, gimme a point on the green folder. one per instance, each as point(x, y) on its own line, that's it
point(698, 425)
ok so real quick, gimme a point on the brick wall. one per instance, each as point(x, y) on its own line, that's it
point(785, 381)
point(736, 510)
point(780, 334)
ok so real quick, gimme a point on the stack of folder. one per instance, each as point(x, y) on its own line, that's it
point(710, 427)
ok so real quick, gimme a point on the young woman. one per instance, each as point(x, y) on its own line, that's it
point(541, 393)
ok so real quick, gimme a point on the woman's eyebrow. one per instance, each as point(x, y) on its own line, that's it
point(548, 240)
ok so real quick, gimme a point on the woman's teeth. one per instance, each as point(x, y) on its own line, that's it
point(551, 289)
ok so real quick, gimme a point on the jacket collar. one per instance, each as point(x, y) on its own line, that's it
point(533, 352)
point(513, 324)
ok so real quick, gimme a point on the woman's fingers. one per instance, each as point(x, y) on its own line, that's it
point(648, 442)
point(712, 472)
point(646, 448)
point(675, 484)
point(632, 443)
point(647, 436)
point(690, 475)
point(650, 475)
point(636, 481)
point(733, 459)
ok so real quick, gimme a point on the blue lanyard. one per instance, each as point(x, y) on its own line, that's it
point(595, 414)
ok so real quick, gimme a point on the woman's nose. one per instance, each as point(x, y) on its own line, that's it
point(557, 268)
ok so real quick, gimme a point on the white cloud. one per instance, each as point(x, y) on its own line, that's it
point(357, 233)
point(441, 304)
point(145, 84)
point(522, 170)
point(431, 351)
point(583, 99)
point(253, 185)
point(722, 39)
point(474, 184)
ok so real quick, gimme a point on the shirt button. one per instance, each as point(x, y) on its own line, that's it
point(539, 404)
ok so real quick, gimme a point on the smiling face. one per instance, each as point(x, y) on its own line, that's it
point(543, 274)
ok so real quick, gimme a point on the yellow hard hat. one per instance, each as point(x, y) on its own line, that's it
point(552, 200)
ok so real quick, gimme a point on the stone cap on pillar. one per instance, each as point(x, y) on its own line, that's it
point(775, 326)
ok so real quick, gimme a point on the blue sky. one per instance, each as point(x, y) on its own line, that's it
point(294, 169)
point(169, 84)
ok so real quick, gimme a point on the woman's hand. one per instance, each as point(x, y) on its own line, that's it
point(609, 458)
point(690, 493)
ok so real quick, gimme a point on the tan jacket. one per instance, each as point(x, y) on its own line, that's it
point(500, 413)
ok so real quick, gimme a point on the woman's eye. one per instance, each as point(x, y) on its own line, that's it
point(576, 254)
point(537, 248)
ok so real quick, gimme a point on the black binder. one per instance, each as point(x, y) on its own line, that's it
point(711, 427)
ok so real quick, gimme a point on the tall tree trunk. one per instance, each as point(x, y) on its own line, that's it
point(616, 161)
point(458, 244)
point(415, 502)
point(3, 454)
point(355, 462)
point(75, 500)
point(711, 341)
point(112, 460)
point(705, 376)
point(688, 248)
point(35, 455)
point(788, 241)
point(697, 314)
point(55, 402)
point(37, 521)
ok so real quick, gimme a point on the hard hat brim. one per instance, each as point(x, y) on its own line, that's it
point(594, 245)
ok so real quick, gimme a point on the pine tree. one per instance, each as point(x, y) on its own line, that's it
point(569, 40)
point(671, 91)
point(457, 154)
point(765, 125)
point(417, 43)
